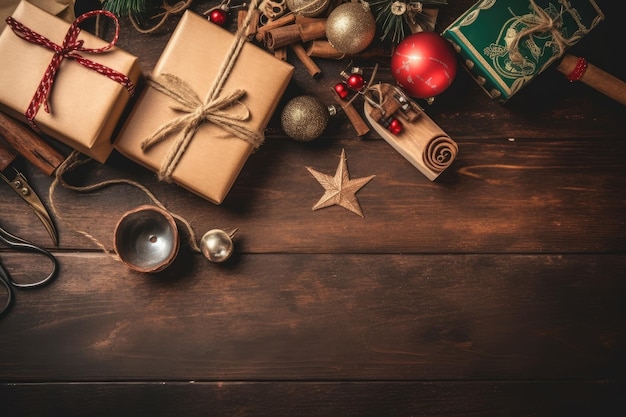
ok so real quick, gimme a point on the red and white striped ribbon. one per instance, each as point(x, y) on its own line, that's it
point(68, 49)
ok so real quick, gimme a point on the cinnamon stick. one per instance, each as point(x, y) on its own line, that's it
point(281, 21)
point(321, 48)
point(306, 60)
point(281, 53)
point(30, 145)
point(281, 36)
point(353, 116)
point(311, 28)
point(254, 22)
point(284, 35)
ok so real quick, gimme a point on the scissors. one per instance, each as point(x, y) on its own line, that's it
point(38, 152)
point(7, 282)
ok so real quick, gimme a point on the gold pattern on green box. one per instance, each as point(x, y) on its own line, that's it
point(505, 44)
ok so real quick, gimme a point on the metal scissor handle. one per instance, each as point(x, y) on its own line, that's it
point(4, 280)
point(20, 244)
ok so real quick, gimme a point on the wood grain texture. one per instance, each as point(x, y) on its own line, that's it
point(498, 196)
point(322, 317)
point(313, 399)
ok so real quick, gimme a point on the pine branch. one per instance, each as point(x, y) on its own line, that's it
point(394, 17)
point(125, 8)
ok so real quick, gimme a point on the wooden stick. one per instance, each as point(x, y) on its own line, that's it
point(353, 116)
point(423, 143)
point(391, 105)
point(306, 60)
point(596, 78)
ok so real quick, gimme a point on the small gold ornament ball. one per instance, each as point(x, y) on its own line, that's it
point(350, 27)
point(304, 118)
point(308, 8)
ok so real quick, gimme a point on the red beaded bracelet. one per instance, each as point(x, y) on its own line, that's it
point(578, 71)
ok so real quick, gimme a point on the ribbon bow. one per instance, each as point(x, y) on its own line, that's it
point(67, 49)
point(197, 113)
point(544, 23)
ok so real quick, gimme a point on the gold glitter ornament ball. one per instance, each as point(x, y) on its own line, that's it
point(308, 8)
point(304, 118)
point(350, 27)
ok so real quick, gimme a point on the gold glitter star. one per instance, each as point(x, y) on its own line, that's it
point(340, 189)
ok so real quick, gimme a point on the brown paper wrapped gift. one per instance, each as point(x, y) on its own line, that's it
point(85, 106)
point(195, 53)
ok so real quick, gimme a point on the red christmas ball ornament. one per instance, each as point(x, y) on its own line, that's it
point(342, 90)
point(355, 81)
point(218, 16)
point(423, 64)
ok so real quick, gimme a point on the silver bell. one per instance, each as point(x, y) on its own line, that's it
point(217, 245)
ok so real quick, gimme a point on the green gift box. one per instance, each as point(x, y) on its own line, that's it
point(505, 44)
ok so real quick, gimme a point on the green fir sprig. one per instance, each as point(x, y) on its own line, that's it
point(395, 17)
point(124, 8)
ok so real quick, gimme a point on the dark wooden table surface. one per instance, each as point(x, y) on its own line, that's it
point(497, 290)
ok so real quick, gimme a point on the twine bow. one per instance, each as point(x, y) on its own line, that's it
point(543, 23)
point(215, 109)
point(67, 49)
point(218, 111)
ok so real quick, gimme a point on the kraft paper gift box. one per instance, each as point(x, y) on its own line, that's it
point(85, 106)
point(495, 46)
point(61, 8)
point(214, 158)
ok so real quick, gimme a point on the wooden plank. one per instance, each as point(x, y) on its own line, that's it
point(322, 317)
point(316, 399)
point(498, 197)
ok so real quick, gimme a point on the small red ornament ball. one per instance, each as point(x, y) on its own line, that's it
point(342, 90)
point(355, 81)
point(395, 126)
point(424, 64)
point(218, 16)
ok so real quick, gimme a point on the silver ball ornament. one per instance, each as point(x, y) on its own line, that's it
point(351, 27)
point(308, 8)
point(304, 118)
point(217, 245)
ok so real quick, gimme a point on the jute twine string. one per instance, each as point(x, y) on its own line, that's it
point(544, 23)
point(311, 11)
point(73, 161)
point(196, 113)
point(213, 109)
point(169, 10)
